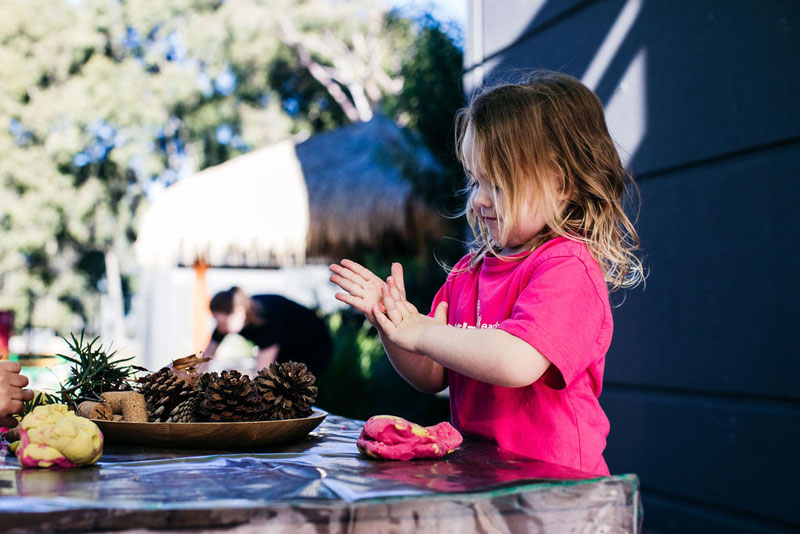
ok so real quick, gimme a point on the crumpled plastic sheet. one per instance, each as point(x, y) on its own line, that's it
point(323, 468)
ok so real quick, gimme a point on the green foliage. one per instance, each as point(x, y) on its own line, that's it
point(94, 371)
point(432, 93)
point(344, 386)
point(360, 381)
point(41, 399)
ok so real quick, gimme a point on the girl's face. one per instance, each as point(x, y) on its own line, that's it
point(231, 323)
point(490, 205)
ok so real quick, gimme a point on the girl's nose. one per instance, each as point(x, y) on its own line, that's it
point(482, 198)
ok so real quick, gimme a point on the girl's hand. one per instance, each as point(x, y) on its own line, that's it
point(402, 323)
point(397, 279)
point(362, 285)
point(12, 394)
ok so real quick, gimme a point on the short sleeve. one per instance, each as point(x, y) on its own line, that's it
point(444, 292)
point(441, 296)
point(560, 314)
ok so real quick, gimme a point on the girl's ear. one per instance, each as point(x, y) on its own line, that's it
point(557, 193)
point(558, 183)
point(560, 189)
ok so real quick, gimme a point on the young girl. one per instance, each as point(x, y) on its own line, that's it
point(521, 327)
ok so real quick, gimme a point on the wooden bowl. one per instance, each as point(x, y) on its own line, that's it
point(210, 435)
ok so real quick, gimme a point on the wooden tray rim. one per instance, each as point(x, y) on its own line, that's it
point(317, 413)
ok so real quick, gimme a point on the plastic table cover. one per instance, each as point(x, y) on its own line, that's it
point(319, 484)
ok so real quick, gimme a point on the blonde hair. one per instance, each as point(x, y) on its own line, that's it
point(546, 139)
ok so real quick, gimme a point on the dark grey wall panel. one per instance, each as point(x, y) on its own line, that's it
point(722, 296)
point(567, 46)
point(664, 515)
point(507, 21)
point(715, 71)
point(703, 449)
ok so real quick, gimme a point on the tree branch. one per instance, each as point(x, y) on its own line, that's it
point(289, 35)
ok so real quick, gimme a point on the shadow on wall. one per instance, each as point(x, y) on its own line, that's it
point(700, 379)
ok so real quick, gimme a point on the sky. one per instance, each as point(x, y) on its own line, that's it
point(445, 10)
point(451, 13)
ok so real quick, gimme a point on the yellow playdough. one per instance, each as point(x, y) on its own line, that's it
point(52, 436)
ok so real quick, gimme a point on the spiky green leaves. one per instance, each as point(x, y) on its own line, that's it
point(94, 371)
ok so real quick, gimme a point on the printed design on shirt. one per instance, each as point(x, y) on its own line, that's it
point(480, 324)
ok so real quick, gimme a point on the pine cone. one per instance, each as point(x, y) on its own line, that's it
point(205, 380)
point(230, 396)
point(185, 412)
point(163, 391)
point(288, 390)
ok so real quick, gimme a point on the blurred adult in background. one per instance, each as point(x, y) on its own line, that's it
point(282, 329)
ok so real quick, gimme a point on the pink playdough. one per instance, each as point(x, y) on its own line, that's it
point(31, 455)
point(393, 438)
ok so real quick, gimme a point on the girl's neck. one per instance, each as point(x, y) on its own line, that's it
point(513, 251)
point(528, 246)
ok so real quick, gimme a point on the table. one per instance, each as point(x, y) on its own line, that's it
point(319, 484)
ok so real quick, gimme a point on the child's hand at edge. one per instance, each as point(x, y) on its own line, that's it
point(12, 394)
point(362, 285)
point(402, 323)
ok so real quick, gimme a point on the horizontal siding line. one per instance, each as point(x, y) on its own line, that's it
point(780, 402)
point(750, 519)
point(716, 158)
point(539, 28)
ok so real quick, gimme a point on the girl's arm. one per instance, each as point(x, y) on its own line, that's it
point(364, 293)
point(417, 369)
point(488, 355)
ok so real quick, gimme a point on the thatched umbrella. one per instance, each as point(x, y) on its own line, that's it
point(358, 190)
point(250, 211)
point(332, 195)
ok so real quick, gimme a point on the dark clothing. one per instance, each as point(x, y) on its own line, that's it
point(303, 337)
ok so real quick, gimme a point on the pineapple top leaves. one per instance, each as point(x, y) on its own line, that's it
point(94, 371)
point(40, 399)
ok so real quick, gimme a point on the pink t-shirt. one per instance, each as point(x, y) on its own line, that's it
point(556, 300)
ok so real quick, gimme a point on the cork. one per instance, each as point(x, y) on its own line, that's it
point(134, 408)
point(95, 410)
point(114, 399)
